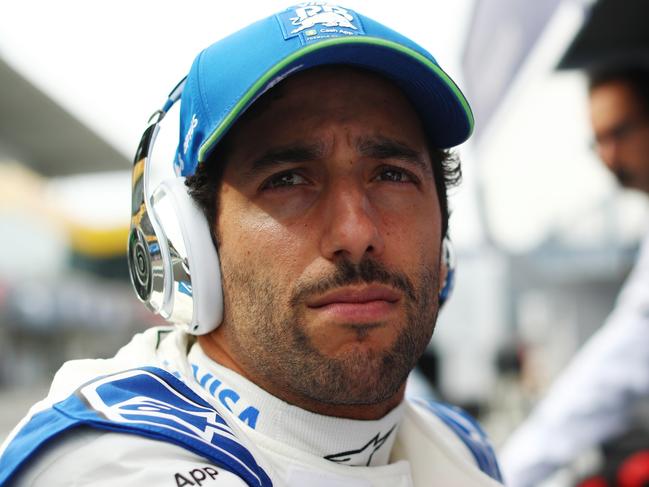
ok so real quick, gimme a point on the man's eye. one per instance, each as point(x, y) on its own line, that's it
point(394, 175)
point(284, 179)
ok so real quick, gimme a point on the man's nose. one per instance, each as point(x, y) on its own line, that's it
point(351, 226)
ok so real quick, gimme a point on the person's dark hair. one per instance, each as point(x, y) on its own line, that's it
point(635, 77)
point(204, 183)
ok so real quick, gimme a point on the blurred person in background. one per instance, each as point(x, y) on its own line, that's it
point(603, 393)
point(312, 143)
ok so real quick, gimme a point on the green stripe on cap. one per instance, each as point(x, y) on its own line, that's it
point(255, 88)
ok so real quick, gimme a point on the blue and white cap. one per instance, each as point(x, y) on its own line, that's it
point(228, 76)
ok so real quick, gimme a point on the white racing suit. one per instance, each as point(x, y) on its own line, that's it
point(161, 413)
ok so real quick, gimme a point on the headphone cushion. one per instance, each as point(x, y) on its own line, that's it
point(201, 258)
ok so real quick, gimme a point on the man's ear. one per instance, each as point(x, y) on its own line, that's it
point(446, 271)
point(443, 272)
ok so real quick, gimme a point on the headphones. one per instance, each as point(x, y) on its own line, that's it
point(173, 264)
point(172, 261)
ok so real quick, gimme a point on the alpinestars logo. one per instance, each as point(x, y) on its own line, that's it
point(311, 14)
point(362, 456)
point(168, 409)
point(141, 400)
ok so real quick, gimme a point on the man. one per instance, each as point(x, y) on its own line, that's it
point(594, 398)
point(312, 143)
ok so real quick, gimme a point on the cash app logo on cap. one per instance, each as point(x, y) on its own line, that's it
point(319, 20)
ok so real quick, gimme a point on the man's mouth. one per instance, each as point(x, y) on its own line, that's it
point(355, 295)
point(370, 303)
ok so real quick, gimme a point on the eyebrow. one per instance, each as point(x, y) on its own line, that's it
point(379, 147)
point(282, 155)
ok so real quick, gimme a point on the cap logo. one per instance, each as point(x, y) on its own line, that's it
point(319, 20)
point(190, 133)
point(327, 15)
point(179, 164)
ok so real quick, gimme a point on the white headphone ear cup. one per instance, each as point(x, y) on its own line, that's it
point(199, 275)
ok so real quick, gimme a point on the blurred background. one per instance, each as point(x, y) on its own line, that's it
point(544, 237)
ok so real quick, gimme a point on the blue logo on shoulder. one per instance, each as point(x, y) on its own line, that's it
point(162, 406)
point(151, 402)
point(313, 21)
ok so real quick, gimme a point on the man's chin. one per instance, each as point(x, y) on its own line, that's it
point(351, 341)
point(359, 376)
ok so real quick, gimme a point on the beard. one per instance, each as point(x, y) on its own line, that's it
point(268, 334)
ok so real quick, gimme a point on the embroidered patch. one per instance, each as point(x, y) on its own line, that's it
point(313, 21)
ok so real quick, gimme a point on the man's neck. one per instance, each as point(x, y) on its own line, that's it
point(274, 421)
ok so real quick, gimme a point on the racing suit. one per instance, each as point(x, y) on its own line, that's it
point(162, 413)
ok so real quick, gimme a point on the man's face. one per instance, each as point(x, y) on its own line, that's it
point(329, 240)
point(621, 128)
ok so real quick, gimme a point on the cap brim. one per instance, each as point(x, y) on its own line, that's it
point(444, 111)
